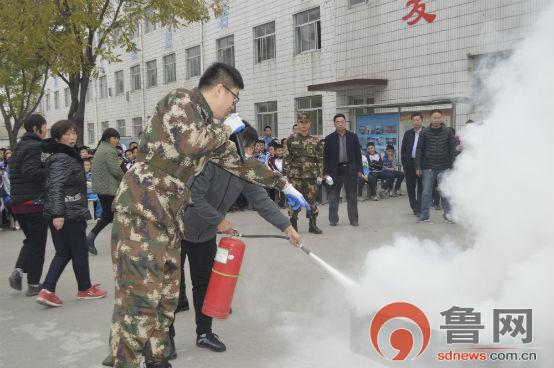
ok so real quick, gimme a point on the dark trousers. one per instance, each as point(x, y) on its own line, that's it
point(350, 184)
point(107, 213)
point(201, 259)
point(392, 176)
point(413, 182)
point(71, 245)
point(31, 255)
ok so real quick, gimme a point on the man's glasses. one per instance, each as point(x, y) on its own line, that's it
point(236, 98)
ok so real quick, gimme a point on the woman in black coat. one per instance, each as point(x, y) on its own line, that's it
point(67, 211)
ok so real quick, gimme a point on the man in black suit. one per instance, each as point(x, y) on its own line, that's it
point(407, 155)
point(342, 164)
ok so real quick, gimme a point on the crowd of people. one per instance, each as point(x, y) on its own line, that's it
point(49, 183)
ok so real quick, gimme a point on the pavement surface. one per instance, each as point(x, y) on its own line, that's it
point(287, 311)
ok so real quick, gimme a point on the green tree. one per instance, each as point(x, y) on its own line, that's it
point(23, 73)
point(73, 35)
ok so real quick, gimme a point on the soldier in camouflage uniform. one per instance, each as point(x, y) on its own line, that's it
point(176, 145)
point(303, 167)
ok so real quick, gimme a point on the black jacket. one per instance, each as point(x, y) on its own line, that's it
point(331, 154)
point(213, 192)
point(27, 172)
point(66, 184)
point(436, 149)
point(407, 146)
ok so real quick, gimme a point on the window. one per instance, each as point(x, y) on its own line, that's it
point(307, 31)
point(149, 26)
point(104, 125)
point(47, 101)
point(169, 69)
point(103, 86)
point(91, 133)
point(66, 97)
point(313, 106)
point(193, 62)
point(121, 127)
point(135, 77)
point(226, 50)
point(119, 83)
point(266, 114)
point(356, 2)
point(168, 38)
point(151, 74)
point(137, 126)
point(57, 99)
point(264, 42)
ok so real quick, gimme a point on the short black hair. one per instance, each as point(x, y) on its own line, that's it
point(273, 144)
point(436, 111)
point(83, 148)
point(128, 150)
point(283, 141)
point(220, 73)
point(278, 145)
point(339, 115)
point(249, 136)
point(260, 141)
point(133, 142)
point(34, 121)
point(389, 147)
point(267, 126)
point(370, 144)
point(61, 127)
point(134, 148)
point(417, 114)
point(109, 133)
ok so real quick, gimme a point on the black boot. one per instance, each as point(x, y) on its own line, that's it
point(294, 223)
point(90, 243)
point(162, 364)
point(313, 226)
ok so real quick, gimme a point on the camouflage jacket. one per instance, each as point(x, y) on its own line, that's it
point(304, 157)
point(175, 146)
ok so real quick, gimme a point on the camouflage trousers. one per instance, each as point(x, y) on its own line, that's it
point(145, 259)
point(309, 189)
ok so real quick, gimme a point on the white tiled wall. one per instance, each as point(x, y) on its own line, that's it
point(420, 62)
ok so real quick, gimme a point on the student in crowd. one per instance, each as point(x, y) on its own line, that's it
point(389, 168)
point(106, 176)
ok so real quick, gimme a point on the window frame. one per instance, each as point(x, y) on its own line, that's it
point(316, 127)
point(299, 27)
point(119, 81)
point(133, 78)
point(261, 115)
point(122, 129)
point(191, 59)
point(222, 50)
point(260, 41)
point(149, 83)
point(174, 68)
point(134, 125)
point(103, 87)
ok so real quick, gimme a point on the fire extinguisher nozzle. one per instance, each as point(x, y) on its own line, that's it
point(305, 250)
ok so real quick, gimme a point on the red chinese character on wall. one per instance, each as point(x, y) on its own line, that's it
point(417, 12)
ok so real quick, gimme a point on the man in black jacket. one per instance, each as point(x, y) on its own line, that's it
point(342, 164)
point(408, 156)
point(435, 154)
point(27, 176)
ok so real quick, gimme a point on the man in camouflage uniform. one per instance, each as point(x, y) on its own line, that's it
point(303, 167)
point(176, 145)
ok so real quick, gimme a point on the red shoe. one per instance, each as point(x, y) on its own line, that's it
point(94, 292)
point(48, 298)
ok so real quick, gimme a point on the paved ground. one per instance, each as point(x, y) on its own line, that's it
point(287, 311)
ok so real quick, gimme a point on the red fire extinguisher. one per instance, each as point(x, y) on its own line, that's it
point(224, 277)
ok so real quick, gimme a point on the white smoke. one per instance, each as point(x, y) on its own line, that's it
point(501, 190)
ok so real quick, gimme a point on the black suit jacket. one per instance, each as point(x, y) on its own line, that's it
point(407, 146)
point(331, 154)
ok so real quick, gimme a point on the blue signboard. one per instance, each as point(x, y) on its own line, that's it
point(381, 129)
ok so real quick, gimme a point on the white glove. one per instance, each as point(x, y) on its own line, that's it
point(319, 181)
point(295, 198)
point(329, 180)
point(234, 122)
